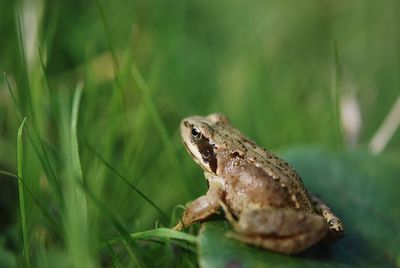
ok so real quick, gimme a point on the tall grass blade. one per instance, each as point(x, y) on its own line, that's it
point(21, 190)
point(117, 68)
point(25, 94)
point(40, 150)
point(76, 225)
point(55, 225)
point(108, 36)
point(109, 215)
point(17, 107)
point(76, 163)
point(113, 256)
point(336, 96)
point(161, 129)
point(125, 180)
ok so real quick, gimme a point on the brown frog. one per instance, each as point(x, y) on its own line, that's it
point(262, 196)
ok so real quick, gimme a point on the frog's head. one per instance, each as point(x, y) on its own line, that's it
point(198, 135)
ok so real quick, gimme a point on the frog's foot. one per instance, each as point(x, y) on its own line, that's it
point(280, 230)
point(201, 208)
point(198, 210)
point(336, 230)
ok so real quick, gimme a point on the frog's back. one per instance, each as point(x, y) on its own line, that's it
point(288, 176)
point(256, 174)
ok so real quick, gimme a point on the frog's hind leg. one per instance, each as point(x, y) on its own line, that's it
point(336, 230)
point(228, 214)
point(281, 230)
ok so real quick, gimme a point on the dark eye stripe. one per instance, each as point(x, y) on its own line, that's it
point(207, 152)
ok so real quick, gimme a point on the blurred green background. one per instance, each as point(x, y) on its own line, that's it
point(288, 74)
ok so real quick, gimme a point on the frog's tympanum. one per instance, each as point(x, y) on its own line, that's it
point(262, 196)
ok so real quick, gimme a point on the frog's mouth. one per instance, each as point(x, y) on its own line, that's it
point(187, 149)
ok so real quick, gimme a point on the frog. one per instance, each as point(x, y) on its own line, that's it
point(261, 195)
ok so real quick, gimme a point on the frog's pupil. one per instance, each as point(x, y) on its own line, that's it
point(196, 134)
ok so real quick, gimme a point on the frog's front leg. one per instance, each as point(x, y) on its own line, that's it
point(201, 208)
point(280, 230)
point(336, 230)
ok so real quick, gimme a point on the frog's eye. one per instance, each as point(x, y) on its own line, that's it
point(196, 134)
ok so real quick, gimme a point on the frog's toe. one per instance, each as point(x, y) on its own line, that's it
point(178, 227)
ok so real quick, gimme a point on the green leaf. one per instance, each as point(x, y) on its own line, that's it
point(361, 189)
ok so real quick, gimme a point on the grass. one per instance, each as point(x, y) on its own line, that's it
point(21, 190)
point(103, 86)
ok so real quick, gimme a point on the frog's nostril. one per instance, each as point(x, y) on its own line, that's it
point(186, 123)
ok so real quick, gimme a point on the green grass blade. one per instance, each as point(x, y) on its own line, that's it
point(108, 36)
point(55, 225)
point(117, 79)
point(109, 215)
point(337, 92)
point(161, 129)
point(40, 149)
point(165, 233)
point(8, 174)
point(14, 99)
point(76, 163)
point(25, 93)
point(48, 169)
point(76, 225)
point(21, 190)
point(125, 180)
point(158, 234)
point(113, 256)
